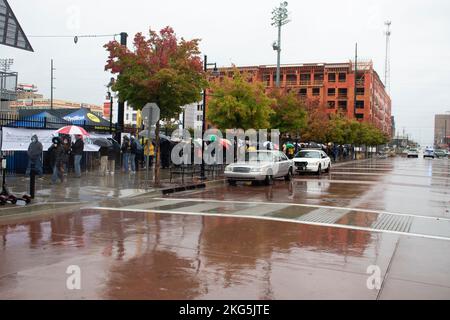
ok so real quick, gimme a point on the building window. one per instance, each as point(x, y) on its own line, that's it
point(332, 77)
point(127, 117)
point(331, 104)
point(316, 92)
point(318, 77)
point(342, 105)
point(360, 91)
point(200, 107)
point(360, 116)
point(359, 104)
point(199, 117)
point(331, 92)
point(134, 117)
point(303, 92)
point(305, 79)
point(343, 93)
point(291, 79)
point(342, 77)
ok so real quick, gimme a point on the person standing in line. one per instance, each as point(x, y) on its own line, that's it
point(35, 150)
point(113, 153)
point(103, 160)
point(77, 151)
point(67, 152)
point(56, 152)
point(133, 154)
point(149, 152)
point(126, 150)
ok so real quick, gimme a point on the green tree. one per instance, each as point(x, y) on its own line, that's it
point(160, 69)
point(236, 103)
point(289, 112)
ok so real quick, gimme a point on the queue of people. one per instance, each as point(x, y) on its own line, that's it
point(134, 155)
point(59, 155)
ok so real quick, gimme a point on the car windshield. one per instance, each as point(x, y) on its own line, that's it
point(259, 157)
point(308, 155)
point(413, 150)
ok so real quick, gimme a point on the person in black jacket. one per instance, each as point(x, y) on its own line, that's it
point(113, 154)
point(126, 150)
point(103, 160)
point(77, 151)
point(35, 156)
point(57, 156)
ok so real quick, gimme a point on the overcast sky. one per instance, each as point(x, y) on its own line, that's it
point(240, 32)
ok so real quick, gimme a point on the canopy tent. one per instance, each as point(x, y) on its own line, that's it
point(83, 117)
point(42, 120)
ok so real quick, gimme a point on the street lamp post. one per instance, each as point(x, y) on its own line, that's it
point(215, 71)
point(111, 100)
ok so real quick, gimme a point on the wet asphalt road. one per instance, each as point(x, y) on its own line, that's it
point(314, 238)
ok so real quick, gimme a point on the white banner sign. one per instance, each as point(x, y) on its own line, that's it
point(17, 139)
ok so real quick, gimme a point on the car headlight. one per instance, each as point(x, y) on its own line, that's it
point(257, 170)
point(228, 169)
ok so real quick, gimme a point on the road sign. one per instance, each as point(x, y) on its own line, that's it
point(151, 114)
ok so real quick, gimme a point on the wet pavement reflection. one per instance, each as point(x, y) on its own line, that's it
point(314, 238)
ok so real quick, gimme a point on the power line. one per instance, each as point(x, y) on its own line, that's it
point(73, 36)
point(76, 37)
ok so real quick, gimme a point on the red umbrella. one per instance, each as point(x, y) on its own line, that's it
point(226, 143)
point(73, 130)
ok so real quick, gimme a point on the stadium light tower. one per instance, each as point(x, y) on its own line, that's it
point(387, 63)
point(280, 17)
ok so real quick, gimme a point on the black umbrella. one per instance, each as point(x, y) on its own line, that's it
point(144, 134)
point(102, 142)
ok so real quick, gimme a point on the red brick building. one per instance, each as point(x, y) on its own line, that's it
point(333, 85)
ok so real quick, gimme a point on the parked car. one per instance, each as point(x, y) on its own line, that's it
point(413, 153)
point(429, 153)
point(441, 154)
point(312, 161)
point(261, 166)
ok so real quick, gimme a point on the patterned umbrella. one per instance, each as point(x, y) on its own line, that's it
point(73, 131)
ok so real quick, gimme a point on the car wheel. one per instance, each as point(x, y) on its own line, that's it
point(319, 170)
point(289, 175)
point(329, 168)
point(269, 179)
point(232, 183)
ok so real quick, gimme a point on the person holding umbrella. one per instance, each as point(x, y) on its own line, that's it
point(77, 151)
point(113, 154)
point(126, 151)
point(104, 145)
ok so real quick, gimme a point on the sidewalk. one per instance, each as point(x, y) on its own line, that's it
point(93, 188)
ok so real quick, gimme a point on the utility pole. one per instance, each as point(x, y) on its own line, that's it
point(51, 85)
point(121, 104)
point(280, 18)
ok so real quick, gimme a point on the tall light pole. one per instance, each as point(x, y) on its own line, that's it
point(51, 84)
point(5, 65)
point(387, 63)
point(280, 17)
point(215, 72)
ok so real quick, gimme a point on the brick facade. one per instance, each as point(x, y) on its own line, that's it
point(332, 85)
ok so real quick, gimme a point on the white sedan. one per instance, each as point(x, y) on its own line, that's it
point(261, 166)
point(312, 161)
